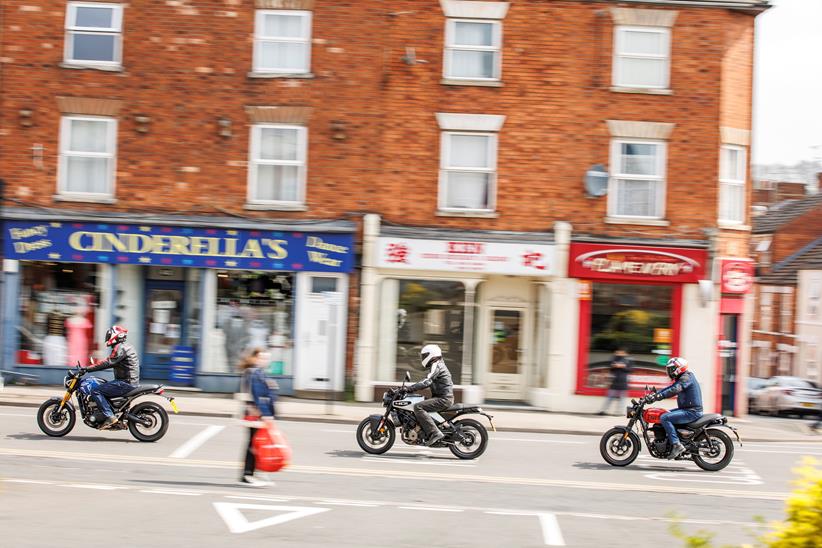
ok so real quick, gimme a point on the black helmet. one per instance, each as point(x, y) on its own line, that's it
point(115, 334)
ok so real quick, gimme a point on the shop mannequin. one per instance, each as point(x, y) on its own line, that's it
point(77, 328)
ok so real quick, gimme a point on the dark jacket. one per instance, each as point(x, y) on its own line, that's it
point(125, 362)
point(438, 379)
point(255, 385)
point(619, 375)
point(687, 392)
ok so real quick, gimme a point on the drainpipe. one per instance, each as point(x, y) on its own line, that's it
point(364, 371)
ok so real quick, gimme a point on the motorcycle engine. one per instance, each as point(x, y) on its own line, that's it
point(412, 436)
point(659, 432)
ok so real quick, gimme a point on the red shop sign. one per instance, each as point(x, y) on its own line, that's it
point(636, 263)
point(737, 275)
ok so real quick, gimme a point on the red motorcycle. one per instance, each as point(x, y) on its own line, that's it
point(705, 441)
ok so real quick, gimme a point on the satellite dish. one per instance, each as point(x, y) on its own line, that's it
point(596, 181)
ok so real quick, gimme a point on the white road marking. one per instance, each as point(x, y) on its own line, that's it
point(171, 492)
point(237, 522)
point(17, 414)
point(430, 508)
point(339, 431)
point(340, 503)
point(91, 486)
point(194, 443)
point(35, 482)
point(551, 533)
point(735, 474)
point(503, 513)
point(538, 440)
point(798, 453)
point(270, 499)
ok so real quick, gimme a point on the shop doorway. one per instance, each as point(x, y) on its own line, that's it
point(728, 356)
point(321, 326)
point(165, 326)
point(506, 373)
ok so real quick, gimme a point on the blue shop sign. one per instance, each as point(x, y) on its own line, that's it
point(178, 246)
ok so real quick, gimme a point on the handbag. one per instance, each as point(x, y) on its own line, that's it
point(271, 450)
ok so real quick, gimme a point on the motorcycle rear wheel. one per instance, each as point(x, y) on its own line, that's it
point(59, 427)
point(469, 429)
point(371, 446)
point(154, 413)
point(723, 444)
point(613, 453)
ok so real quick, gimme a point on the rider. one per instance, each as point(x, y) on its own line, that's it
point(688, 399)
point(442, 392)
point(126, 364)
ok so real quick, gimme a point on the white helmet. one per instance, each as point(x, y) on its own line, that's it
point(429, 354)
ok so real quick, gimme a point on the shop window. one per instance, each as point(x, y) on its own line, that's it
point(94, 34)
point(420, 312)
point(254, 310)
point(282, 42)
point(58, 311)
point(637, 317)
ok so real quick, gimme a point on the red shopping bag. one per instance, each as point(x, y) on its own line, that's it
point(271, 450)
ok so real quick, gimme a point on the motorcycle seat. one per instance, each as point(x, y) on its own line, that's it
point(143, 388)
point(707, 418)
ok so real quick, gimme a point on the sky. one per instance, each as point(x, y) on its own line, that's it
point(787, 121)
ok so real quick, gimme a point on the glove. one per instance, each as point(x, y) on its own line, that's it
point(650, 398)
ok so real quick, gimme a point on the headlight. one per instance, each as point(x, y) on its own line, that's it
point(386, 399)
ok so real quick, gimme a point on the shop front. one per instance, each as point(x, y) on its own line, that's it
point(736, 281)
point(475, 294)
point(196, 300)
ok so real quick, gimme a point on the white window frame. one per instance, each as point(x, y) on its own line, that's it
point(616, 176)
point(445, 169)
point(765, 310)
point(65, 154)
point(786, 312)
point(259, 40)
point(496, 48)
point(71, 29)
point(619, 56)
point(742, 168)
point(301, 162)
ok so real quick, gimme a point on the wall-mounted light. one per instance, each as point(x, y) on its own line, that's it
point(224, 127)
point(338, 130)
point(142, 122)
point(26, 117)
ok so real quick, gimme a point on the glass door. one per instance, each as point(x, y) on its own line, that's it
point(728, 354)
point(165, 325)
point(506, 378)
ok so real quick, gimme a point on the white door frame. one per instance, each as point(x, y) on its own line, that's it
point(523, 351)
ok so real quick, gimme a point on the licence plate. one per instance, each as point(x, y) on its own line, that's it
point(807, 404)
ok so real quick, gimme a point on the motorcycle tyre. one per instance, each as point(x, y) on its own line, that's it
point(483, 442)
point(729, 451)
point(603, 447)
point(392, 436)
point(41, 422)
point(132, 427)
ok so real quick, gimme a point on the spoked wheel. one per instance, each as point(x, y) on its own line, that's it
point(375, 443)
point(716, 450)
point(617, 449)
point(55, 423)
point(474, 439)
point(155, 418)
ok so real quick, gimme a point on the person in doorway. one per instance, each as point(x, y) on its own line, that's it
point(688, 399)
point(621, 366)
point(126, 364)
point(259, 395)
point(442, 392)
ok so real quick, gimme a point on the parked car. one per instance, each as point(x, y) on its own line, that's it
point(754, 387)
point(788, 396)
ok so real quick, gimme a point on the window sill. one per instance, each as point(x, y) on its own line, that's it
point(734, 226)
point(474, 214)
point(645, 91)
point(275, 207)
point(302, 75)
point(478, 83)
point(636, 221)
point(82, 198)
point(81, 66)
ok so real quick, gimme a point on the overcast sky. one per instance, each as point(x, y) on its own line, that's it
point(788, 83)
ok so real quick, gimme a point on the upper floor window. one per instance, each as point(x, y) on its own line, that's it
point(468, 174)
point(472, 49)
point(765, 310)
point(278, 164)
point(88, 146)
point(642, 57)
point(637, 183)
point(94, 34)
point(732, 184)
point(282, 42)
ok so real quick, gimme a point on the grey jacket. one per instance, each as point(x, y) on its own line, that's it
point(438, 379)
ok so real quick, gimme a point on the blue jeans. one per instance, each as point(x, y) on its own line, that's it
point(110, 389)
point(677, 416)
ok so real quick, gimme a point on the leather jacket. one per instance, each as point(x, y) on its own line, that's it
point(438, 379)
point(687, 392)
point(125, 362)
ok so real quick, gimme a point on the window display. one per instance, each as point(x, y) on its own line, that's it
point(58, 307)
point(637, 318)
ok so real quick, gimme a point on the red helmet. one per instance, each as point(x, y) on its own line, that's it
point(676, 367)
point(115, 334)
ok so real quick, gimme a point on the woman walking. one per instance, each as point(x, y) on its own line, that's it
point(259, 395)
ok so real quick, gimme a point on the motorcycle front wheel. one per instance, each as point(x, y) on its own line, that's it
point(51, 422)
point(474, 439)
point(156, 422)
point(716, 450)
point(618, 450)
point(370, 445)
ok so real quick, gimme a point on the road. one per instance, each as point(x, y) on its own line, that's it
point(527, 490)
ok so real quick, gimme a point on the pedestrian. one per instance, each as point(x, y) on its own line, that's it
point(621, 366)
point(258, 395)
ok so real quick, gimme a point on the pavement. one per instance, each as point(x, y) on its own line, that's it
point(526, 490)
point(506, 418)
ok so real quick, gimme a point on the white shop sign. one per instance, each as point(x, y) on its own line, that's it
point(522, 259)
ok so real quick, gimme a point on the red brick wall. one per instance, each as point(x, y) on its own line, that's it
point(793, 236)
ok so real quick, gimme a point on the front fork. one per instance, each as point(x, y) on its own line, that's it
point(379, 432)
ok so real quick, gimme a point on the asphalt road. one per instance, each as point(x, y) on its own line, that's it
point(95, 488)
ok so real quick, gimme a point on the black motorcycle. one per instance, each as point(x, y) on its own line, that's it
point(466, 438)
point(706, 444)
point(147, 421)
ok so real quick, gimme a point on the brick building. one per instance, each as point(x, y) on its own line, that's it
point(546, 181)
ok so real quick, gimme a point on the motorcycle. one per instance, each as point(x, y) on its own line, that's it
point(710, 447)
point(465, 438)
point(147, 421)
